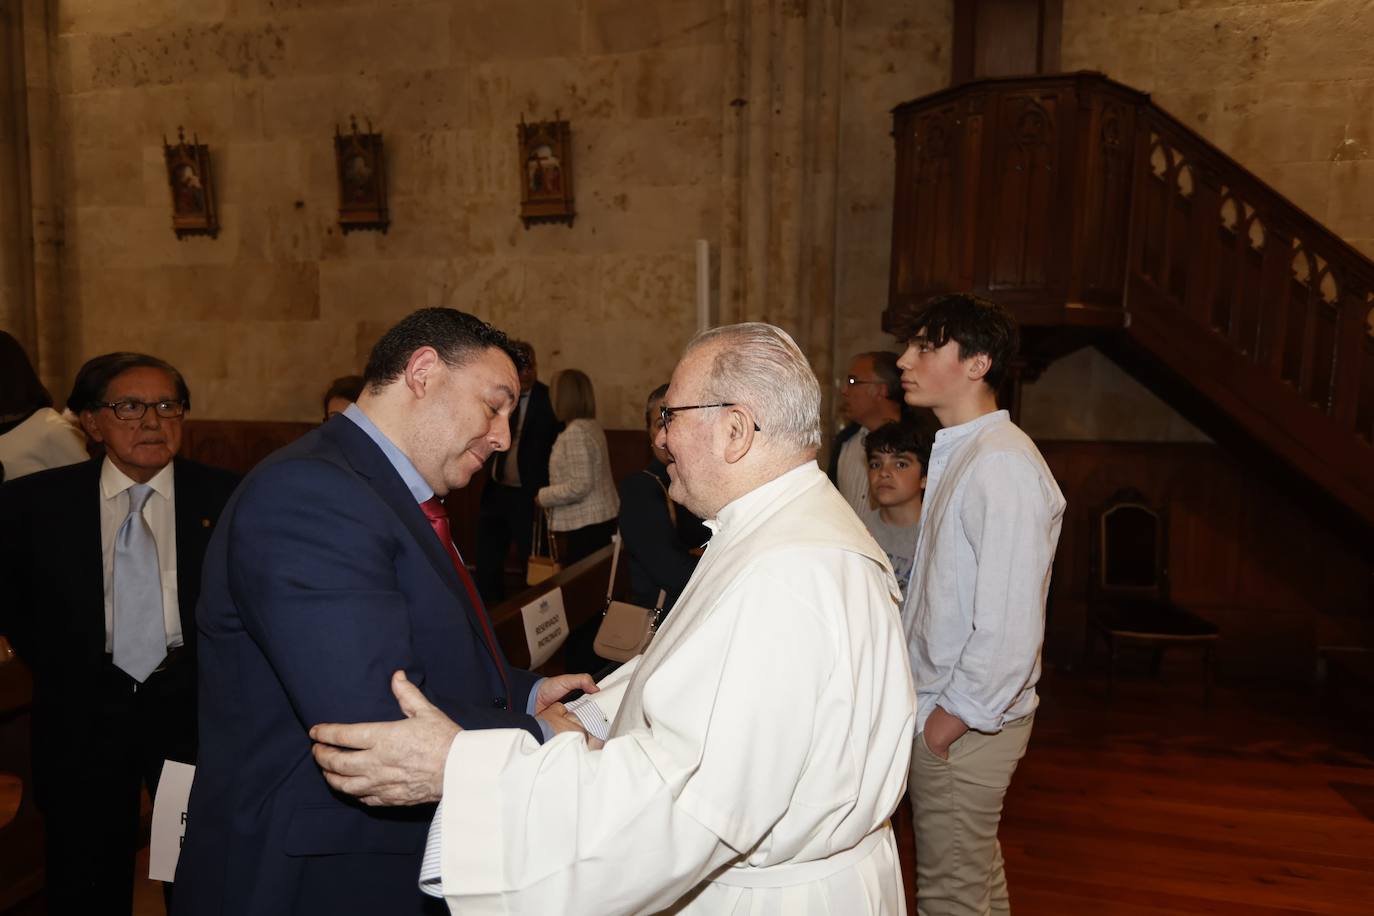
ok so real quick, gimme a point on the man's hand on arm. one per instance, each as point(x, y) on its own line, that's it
point(389, 763)
point(553, 689)
point(942, 729)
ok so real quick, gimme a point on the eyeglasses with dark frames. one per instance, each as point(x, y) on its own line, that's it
point(130, 409)
point(853, 380)
point(665, 412)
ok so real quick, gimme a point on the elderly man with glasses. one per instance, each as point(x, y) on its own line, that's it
point(870, 397)
point(751, 755)
point(101, 564)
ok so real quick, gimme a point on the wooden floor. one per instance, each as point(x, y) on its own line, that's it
point(1150, 804)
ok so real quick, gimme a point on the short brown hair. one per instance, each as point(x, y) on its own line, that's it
point(573, 396)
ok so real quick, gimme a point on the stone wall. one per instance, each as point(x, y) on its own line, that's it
point(282, 301)
point(1286, 87)
point(263, 316)
point(893, 52)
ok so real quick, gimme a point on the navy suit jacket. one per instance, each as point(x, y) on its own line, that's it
point(323, 577)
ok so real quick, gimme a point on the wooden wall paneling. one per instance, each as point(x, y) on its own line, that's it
point(1023, 216)
point(1006, 37)
point(899, 278)
point(1364, 410)
point(237, 444)
point(1351, 334)
point(1242, 552)
point(995, 38)
point(1103, 167)
point(1252, 293)
point(1203, 256)
point(1276, 287)
point(970, 169)
point(1321, 391)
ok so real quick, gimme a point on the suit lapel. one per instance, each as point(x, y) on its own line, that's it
point(193, 526)
point(369, 461)
point(90, 569)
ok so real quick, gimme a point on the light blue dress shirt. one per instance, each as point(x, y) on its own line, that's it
point(421, 491)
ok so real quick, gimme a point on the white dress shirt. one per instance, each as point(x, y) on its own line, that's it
point(160, 513)
point(47, 439)
point(974, 613)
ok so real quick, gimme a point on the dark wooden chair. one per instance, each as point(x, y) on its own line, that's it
point(1129, 603)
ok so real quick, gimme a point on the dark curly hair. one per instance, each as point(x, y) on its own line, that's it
point(909, 434)
point(979, 325)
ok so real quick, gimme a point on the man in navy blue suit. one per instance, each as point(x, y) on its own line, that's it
point(332, 567)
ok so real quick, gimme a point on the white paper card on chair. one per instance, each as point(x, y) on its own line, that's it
point(546, 626)
point(169, 819)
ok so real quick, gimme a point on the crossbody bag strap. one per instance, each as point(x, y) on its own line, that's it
point(668, 500)
point(615, 559)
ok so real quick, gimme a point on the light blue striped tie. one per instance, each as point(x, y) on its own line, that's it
point(140, 638)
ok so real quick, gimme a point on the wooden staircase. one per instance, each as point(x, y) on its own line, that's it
point(1099, 218)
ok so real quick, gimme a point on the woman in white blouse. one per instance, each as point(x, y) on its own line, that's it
point(33, 436)
point(581, 498)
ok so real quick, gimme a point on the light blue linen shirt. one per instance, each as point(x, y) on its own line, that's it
point(974, 613)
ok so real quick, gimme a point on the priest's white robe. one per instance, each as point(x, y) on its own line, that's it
point(757, 750)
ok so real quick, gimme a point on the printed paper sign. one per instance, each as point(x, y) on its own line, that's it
point(169, 819)
point(546, 626)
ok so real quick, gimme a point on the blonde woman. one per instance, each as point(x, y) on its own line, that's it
point(581, 497)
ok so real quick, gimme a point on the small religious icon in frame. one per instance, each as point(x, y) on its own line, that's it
point(193, 193)
point(361, 166)
point(546, 185)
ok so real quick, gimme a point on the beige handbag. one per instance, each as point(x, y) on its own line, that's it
point(626, 629)
point(543, 565)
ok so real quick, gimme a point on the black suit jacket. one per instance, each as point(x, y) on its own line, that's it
point(850, 430)
point(54, 607)
point(540, 428)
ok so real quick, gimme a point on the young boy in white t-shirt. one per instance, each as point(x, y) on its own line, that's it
point(897, 456)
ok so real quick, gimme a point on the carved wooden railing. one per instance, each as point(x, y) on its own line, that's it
point(1076, 201)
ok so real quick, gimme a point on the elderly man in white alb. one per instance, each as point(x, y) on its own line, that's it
point(757, 747)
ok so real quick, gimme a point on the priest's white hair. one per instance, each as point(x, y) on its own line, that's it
point(761, 366)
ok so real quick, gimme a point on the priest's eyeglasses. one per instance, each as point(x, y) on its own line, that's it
point(130, 409)
point(666, 413)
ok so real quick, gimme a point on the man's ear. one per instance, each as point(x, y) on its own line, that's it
point(89, 425)
point(741, 435)
point(420, 369)
point(978, 366)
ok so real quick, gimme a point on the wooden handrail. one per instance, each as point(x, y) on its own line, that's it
point(1077, 201)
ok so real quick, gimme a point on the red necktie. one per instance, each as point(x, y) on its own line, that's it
point(438, 519)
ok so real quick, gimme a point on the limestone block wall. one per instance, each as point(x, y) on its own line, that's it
point(1286, 87)
point(262, 317)
point(893, 51)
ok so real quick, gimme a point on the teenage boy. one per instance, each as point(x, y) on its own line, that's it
point(897, 457)
point(975, 608)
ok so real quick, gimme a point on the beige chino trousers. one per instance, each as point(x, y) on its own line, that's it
point(957, 806)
